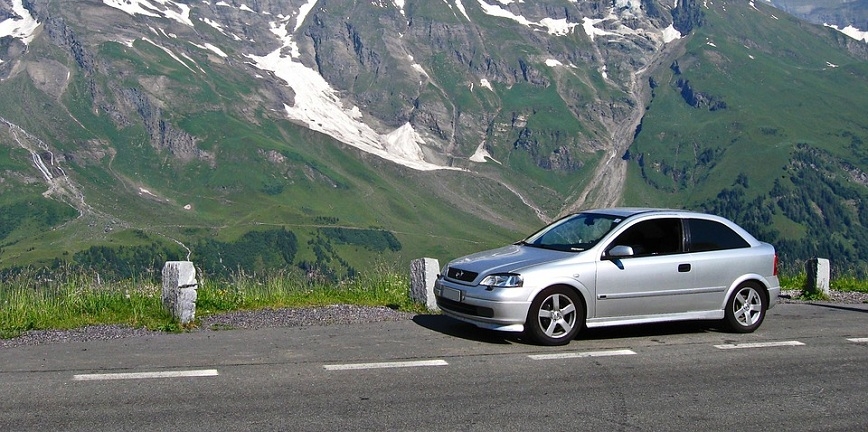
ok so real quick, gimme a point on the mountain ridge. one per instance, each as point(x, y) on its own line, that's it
point(848, 16)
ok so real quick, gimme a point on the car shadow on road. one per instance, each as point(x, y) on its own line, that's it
point(851, 308)
point(649, 330)
point(452, 327)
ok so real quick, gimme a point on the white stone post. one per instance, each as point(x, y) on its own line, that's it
point(179, 290)
point(423, 273)
point(818, 270)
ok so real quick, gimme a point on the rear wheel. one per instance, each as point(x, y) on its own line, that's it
point(555, 317)
point(746, 308)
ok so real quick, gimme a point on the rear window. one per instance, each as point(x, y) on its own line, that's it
point(708, 235)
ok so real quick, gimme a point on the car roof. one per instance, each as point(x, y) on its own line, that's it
point(632, 211)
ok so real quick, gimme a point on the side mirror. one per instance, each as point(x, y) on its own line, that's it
point(620, 252)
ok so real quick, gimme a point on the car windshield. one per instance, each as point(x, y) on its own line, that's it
point(574, 233)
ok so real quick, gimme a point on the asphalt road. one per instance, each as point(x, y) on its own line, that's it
point(805, 369)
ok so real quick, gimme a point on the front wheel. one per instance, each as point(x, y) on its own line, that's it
point(745, 309)
point(555, 317)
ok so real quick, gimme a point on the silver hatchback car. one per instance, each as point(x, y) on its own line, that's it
point(615, 266)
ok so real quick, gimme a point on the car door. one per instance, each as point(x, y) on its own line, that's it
point(655, 279)
point(717, 256)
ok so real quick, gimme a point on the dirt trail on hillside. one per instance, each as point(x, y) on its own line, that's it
point(606, 187)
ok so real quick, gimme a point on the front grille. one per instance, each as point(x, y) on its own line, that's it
point(464, 308)
point(462, 275)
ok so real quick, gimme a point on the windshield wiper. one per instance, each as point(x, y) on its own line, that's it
point(533, 245)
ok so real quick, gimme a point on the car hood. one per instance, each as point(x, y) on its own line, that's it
point(507, 259)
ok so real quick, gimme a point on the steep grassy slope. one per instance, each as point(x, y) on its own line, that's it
point(165, 145)
point(756, 103)
point(250, 171)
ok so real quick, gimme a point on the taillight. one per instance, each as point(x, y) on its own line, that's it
point(775, 270)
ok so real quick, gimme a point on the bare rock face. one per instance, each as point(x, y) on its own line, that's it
point(49, 76)
point(457, 77)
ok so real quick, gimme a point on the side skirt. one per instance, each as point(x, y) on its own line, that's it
point(646, 319)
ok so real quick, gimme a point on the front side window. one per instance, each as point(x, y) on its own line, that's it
point(652, 237)
point(574, 233)
point(708, 235)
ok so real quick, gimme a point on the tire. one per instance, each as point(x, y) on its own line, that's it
point(556, 316)
point(745, 308)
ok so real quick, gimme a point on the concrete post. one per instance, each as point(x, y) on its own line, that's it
point(179, 290)
point(423, 273)
point(818, 270)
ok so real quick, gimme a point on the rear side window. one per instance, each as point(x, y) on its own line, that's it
point(708, 235)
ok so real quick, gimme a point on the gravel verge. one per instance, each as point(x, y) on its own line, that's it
point(294, 317)
point(792, 296)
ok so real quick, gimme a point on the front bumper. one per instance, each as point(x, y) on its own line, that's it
point(503, 309)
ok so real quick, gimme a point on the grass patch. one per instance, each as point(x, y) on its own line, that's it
point(792, 281)
point(843, 283)
point(33, 301)
point(382, 286)
point(840, 283)
point(849, 283)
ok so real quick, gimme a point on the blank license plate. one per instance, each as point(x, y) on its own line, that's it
point(451, 294)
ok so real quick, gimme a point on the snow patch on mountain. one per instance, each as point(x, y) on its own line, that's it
point(625, 10)
point(319, 107)
point(557, 27)
point(670, 34)
point(553, 63)
point(481, 155)
point(404, 143)
point(302, 13)
point(171, 54)
point(23, 28)
point(589, 25)
point(461, 8)
point(851, 31)
point(214, 24)
point(154, 8)
point(212, 48)
point(417, 67)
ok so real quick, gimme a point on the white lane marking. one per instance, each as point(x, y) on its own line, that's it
point(759, 345)
point(858, 340)
point(145, 375)
point(570, 355)
point(385, 365)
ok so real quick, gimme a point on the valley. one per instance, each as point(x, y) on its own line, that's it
point(147, 127)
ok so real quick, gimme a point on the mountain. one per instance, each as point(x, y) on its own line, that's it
point(839, 13)
point(329, 136)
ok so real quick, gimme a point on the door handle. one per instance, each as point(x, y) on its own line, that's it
point(683, 268)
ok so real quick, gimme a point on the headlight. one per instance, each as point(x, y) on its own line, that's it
point(505, 280)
